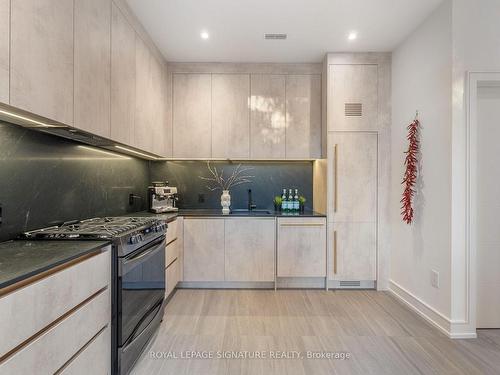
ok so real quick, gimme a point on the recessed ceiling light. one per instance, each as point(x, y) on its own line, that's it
point(352, 35)
point(204, 35)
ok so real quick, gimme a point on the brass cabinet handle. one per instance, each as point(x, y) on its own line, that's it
point(334, 252)
point(335, 176)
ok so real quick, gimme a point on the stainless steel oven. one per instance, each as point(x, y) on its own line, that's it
point(141, 289)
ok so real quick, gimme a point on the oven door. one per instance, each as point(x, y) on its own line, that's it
point(141, 289)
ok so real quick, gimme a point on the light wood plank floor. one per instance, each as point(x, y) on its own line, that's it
point(382, 335)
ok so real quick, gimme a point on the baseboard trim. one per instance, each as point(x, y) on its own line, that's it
point(437, 319)
point(226, 285)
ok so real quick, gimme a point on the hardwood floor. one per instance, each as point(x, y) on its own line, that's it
point(381, 335)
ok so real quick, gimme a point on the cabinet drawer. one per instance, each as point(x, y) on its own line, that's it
point(302, 247)
point(94, 358)
point(172, 231)
point(28, 310)
point(172, 251)
point(172, 277)
point(51, 350)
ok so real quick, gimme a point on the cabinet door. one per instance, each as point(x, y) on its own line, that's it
point(249, 248)
point(353, 97)
point(157, 123)
point(230, 116)
point(192, 115)
point(303, 116)
point(122, 78)
point(143, 139)
point(92, 66)
point(42, 58)
point(354, 184)
point(4, 50)
point(302, 247)
point(204, 250)
point(354, 251)
point(267, 116)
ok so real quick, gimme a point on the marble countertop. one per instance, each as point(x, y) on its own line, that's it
point(21, 259)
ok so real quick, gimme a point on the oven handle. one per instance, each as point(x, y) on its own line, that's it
point(154, 310)
point(151, 248)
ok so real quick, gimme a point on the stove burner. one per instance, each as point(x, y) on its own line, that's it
point(103, 228)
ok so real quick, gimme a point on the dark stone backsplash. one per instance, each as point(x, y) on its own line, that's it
point(270, 179)
point(46, 179)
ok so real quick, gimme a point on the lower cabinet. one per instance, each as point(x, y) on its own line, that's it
point(249, 249)
point(354, 256)
point(203, 249)
point(232, 250)
point(301, 247)
point(48, 326)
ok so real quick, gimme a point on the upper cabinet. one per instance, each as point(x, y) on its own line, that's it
point(267, 116)
point(245, 111)
point(355, 89)
point(303, 116)
point(42, 58)
point(230, 116)
point(192, 112)
point(4, 50)
point(122, 78)
point(92, 66)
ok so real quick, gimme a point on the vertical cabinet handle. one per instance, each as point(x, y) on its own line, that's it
point(334, 252)
point(335, 177)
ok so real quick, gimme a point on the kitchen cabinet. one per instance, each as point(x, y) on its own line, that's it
point(354, 251)
point(4, 50)
point(157, 130)
point(353, 90)
point(354, 189)
point(174, 254)
point(354, 207)
point(303, 116)
point(203, 249)
point(92, 60)
point(192, 112)
point(123, 79)
point(57, 317)
point(42, 58)
point(230, 116)
point(301, 248)
point(249, 249)
point(267, 116)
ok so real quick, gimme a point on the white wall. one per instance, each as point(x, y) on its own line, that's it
point(422, 79)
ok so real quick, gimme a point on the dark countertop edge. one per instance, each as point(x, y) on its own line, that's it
point(50, 266)
point(272, 215)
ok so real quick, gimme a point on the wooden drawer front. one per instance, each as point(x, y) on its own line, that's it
point(172, 250)
point(172, 231)
point(172, 276)
point(302, 247)
point(26, 311)
point(50, 351)
point(94, 358)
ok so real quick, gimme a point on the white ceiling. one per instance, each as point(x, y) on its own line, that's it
point(314, 27)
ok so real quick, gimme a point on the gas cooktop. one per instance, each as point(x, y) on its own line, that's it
point(96, 228)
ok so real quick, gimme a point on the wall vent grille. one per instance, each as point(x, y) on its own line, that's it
point(353, 109)
point(275, 36)
point(350, 284)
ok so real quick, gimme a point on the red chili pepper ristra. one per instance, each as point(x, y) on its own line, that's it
point(410, 176)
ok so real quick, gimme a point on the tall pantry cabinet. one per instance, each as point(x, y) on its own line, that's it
point(358, 94)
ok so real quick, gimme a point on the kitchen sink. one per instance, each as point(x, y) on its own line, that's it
point(245, 211)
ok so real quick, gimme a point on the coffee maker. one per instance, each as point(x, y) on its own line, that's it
point(162, 198)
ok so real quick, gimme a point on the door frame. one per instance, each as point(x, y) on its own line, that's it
point(475, 80)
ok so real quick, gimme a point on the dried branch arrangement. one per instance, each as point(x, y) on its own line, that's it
point(411, 172)
point(218, 182)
